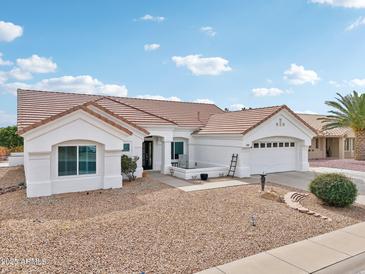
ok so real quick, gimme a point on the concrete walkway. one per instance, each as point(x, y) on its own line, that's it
point(188, 187)
point(350, 173)
point(341, 251)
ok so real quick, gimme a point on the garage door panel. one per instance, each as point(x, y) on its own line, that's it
point(268, 160)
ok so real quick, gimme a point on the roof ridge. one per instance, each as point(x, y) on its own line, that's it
point(122, 103)
point(124, 97)
point(247, 109)
point(106, 110)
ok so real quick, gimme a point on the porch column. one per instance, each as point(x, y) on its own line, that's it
point(166, 156)
point(137, 151)
point(341, 148)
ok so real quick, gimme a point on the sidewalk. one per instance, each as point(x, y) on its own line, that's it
point(188, 187)
point(350, 173)
point(341, 251)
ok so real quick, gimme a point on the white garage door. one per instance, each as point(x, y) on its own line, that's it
point(273, 156)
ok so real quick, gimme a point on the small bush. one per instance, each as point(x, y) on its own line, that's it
point(17, 149)
point(129, 166)
point(334, 189)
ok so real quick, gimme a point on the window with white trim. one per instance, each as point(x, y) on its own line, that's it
point(177, 148)
point(76, 160)
point(126, 147)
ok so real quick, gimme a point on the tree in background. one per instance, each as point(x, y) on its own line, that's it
point(9, 137)
point(349, 111)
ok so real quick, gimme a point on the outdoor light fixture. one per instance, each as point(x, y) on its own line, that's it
point(172, 171)
point(263, 181)
point(253, 220)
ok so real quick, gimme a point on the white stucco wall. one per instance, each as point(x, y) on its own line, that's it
point(78, 128)
point(217, 150)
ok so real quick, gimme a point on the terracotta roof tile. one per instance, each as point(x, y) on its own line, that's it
point(240, 122)
point(83, 107)
point(36, 106)
point(313, 120)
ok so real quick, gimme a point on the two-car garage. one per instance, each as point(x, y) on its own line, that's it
point(274, 155)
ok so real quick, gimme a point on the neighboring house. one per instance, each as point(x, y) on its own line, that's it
point(337, 143)
point(73, 142)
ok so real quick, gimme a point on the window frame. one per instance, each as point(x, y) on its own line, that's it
point(130, 147)
point(77, 161)
point(172, 156)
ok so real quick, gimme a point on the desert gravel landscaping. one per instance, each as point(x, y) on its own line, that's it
point(151, 227)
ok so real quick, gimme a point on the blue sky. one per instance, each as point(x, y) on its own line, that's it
point(233, 53)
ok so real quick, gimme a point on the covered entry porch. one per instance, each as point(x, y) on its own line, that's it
point(331, 148)
point(159, 153)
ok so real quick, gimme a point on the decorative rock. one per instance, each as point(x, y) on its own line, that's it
point(271, 195)
point(303, 210)
point(292, 200)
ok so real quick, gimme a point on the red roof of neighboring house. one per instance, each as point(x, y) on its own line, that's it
point(36, 108)
point(242, 121)
point(315, 122)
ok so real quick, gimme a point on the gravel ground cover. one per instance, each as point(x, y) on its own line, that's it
point(148, 226)
point(11, 176)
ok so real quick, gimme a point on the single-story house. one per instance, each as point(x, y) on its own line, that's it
point(337, 143)
point(74, 142)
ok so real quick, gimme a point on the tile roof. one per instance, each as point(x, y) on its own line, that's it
point(240, 122)
point(313, 120)
point(35, 107)
point(184, 114)
point(83, 107)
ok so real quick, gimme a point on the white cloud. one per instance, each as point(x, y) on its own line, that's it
point(159, 97)
point(208, 31)
point(7, 119)
point(307, 112)
point(79, 84)
point(234, 107)
point(342, 3)
point(149, 17)
point(202, 66)
point(151, 47)
point(9, 31)
point(36, 64)
point(260, 92)
point(358, 23)
point(19, 74)
point(4, 62)
point(334, 83)
point(3, 77)
point(297, 75)
point(204, 101)
point(357, 82)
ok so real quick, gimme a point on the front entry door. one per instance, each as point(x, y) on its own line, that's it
point(147, 155)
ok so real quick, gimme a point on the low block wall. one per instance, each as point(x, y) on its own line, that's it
point(16, 159)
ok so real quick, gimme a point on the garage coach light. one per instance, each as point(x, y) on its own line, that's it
point(263, 181)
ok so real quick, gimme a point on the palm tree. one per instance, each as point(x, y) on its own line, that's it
point(349, 111)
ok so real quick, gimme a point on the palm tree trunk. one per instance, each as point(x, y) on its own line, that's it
point(360, 145)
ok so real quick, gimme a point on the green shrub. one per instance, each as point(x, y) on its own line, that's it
point(129, 166)
point(334, 189)
point(9, 137)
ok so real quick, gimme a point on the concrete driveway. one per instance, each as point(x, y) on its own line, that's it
point(301, 180)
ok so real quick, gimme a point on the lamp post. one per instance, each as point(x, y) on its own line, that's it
point(263, 181)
